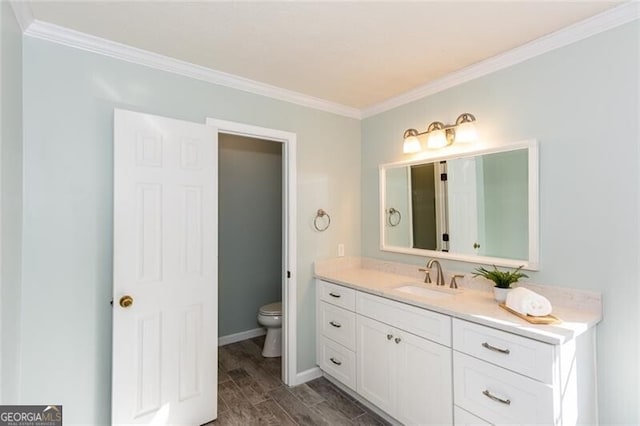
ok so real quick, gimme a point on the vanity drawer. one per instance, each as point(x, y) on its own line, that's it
point(520, 354)
point(337, 361)
point(337, 295)
point(498, 395)
point(421, 322)
point(338, 325)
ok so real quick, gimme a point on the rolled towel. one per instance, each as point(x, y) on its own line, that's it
point(528, 302)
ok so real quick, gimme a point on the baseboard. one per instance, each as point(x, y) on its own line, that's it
point(243, 335)
point(307, 376)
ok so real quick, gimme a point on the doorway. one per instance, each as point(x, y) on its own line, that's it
point(249, 233)
point(287, 147)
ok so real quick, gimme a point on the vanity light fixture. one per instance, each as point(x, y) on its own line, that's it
point(440, 135)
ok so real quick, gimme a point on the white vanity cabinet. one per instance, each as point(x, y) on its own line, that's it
point(405, 375)
point(402, 353)
point(336, 331)
point(424, 367)
point(503, 378)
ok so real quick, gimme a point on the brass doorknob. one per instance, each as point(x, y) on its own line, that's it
point(126, 301)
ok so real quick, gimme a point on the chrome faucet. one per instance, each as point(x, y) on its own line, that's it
point(439, 274)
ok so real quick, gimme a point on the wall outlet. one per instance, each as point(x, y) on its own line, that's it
point(340, 250)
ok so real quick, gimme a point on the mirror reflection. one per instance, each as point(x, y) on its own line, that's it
point(477, 205)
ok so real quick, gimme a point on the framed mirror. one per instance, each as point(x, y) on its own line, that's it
point(479, 207)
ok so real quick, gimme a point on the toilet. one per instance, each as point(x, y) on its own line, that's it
point(270, 316)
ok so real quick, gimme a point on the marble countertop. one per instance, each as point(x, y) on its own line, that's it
point(468, 304)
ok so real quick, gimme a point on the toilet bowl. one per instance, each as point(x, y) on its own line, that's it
point(270, 316)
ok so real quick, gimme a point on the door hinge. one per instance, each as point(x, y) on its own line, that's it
point(288, 274)
point(445, 237)
point(443, 177)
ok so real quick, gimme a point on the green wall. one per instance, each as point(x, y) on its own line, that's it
point(249, 230)
point(69, 97)
point(11, 201)
point(581, 103)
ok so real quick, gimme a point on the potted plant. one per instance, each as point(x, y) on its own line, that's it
point(502, 280)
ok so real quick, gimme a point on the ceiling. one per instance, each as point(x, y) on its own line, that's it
point(356, 54)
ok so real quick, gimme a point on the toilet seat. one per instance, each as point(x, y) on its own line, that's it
point(272, 309)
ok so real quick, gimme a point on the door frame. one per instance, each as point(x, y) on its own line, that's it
point(288, 139)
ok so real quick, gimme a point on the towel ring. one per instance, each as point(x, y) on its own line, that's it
point(320, 214)
point(393, 213)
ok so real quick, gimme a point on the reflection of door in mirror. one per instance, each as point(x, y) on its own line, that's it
point(423, 200)
point(428, 206)
point(463, 185)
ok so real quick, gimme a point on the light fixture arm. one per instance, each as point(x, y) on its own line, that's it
point(465, 118)
point(411, 132)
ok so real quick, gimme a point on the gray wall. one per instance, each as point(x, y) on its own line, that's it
point(11, 202)
point(581, 103)
point(249, 230)
point(69, 96)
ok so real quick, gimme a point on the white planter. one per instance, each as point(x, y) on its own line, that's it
point(500, 294)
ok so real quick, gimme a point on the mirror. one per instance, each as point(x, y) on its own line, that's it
point(480, 207)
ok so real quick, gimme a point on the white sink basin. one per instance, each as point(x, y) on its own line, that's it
point(416, 290)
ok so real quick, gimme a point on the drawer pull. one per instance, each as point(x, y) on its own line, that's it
point(332, 294)
point(389, 336)
point(493, 348)
point(495, 398)
point(335, 361)
point(335, 324)
point(398, 340)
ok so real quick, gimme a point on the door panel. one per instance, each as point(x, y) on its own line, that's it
point(376, 366)
point(165, 259)
point(424, 379)
point(462, 188)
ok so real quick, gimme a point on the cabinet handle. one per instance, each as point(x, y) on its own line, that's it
point(398, 340)
point(335, 361)
point(495, 398)
point(389, 336)
point(335, 324)
point(493, 348)
point(337, 296)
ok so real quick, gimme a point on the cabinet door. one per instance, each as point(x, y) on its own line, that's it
point(424, 381)
point(376, 364)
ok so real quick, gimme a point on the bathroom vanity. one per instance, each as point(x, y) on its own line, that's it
point(453, 357)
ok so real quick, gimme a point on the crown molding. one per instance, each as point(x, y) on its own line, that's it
point(65, 36)
point(607, 20)
point(612, 18)
point(23, 13)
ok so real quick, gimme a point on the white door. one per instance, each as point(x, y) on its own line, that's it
point(165, 321)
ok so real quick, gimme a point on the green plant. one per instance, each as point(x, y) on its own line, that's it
point(502, 279)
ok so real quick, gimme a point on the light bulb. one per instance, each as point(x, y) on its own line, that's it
point(411, 145)
point(437, 139)
point(466, 132)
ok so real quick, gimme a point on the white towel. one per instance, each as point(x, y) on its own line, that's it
point(528, 302)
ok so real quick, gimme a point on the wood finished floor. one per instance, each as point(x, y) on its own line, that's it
point(250, 392)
